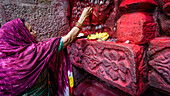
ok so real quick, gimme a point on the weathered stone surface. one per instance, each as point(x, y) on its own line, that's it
point(166, 8)
point(118, 64)
point(163, 17)
point(159, 54)
point(79, 75)
point(94, 87)
point(159, 50)
point(47, 17)
point(36, 1)
point(138, 28)
point(127, 6)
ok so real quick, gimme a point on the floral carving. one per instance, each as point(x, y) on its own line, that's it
point(115, 64)
point(90, 57)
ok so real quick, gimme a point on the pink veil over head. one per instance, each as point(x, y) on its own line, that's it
point(22, 59)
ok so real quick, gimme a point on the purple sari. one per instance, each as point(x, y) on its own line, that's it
point(22, 59)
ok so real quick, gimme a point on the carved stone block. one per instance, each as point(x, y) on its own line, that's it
point(159, 54)
point(138, 28)
point(118, 64)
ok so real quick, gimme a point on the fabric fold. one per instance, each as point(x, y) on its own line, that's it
point(22, 60)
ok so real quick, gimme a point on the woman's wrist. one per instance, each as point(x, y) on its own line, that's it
point(81, 20)
point(78, 25)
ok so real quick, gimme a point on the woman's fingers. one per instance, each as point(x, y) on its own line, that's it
point(89, 11)
point(86, 12)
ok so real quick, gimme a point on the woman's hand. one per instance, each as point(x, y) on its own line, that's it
point(72, 35)
point(86, 12)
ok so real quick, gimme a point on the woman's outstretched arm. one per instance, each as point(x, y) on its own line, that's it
point(72, 35)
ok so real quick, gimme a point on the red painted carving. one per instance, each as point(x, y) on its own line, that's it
point(119, 64)
point(124, 66)
point(159, 53)
point(102, 19)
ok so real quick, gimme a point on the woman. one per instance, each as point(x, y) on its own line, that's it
point(26, 65)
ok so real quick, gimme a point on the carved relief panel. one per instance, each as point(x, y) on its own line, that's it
point(159, 50)
point(159, 61)
point(119, 64)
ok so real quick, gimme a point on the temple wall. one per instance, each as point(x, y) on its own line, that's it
point(47, 17)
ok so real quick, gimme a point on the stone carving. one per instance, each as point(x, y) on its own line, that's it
point(118, 64)
point(159, 50)
point(159, 53)
point(112, 62)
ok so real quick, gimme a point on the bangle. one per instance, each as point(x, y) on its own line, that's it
point(78, 25)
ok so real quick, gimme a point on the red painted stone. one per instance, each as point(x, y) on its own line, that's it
point(127, 6)
point(166, 1)
point(138, 28)
point(118, 64)
point(94, 87)
point(159, 54)
point(166, 9)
